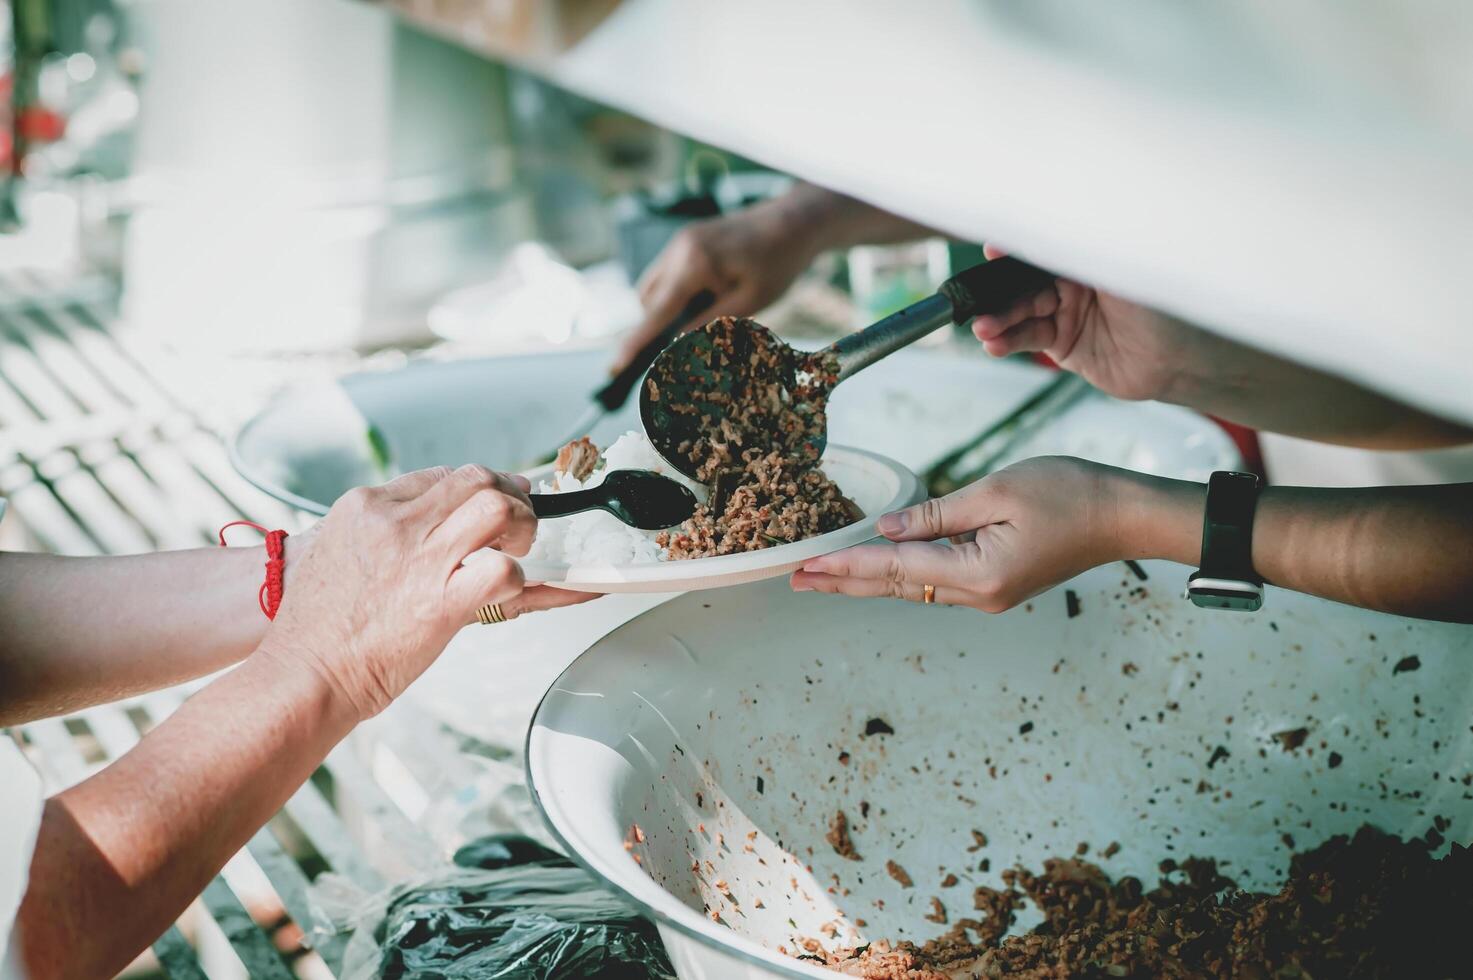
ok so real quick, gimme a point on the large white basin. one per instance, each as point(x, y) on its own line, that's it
point(1142, 720)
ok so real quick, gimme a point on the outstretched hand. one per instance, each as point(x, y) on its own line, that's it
point(990, 545)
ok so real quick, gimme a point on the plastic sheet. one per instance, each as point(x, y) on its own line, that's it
point(511, 908)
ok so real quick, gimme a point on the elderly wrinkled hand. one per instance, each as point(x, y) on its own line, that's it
point(990, 545)
point(393, 572)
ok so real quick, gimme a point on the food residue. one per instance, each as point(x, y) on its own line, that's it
point(838, 837)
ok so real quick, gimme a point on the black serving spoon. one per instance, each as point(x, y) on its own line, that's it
point(683, 367)
point(639, 498)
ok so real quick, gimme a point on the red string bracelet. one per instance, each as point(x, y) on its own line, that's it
point(270, 594)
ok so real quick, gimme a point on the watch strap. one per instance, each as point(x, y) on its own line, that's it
point(1227, 527)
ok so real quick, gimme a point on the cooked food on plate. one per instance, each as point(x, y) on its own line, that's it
point(768, 500)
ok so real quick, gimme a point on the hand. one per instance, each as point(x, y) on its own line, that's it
point(385, 582)
point(1014, 534)
point(1121, 348)
point(747, 260)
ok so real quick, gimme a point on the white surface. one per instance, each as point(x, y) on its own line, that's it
point(707, 694)
point(1301, 463)
point(878, 485)
point(1294, 174)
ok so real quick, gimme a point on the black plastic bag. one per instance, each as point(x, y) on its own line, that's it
point(516, 909)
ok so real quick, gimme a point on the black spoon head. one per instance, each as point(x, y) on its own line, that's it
point(647, 500)
point(695, 381)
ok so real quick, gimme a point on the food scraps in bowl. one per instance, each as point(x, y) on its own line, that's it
point(1368, 904)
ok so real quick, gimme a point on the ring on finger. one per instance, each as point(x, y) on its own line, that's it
point(928, 595)
point(490, 613)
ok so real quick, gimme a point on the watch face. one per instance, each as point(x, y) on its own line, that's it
point(1238, 601)
point(1217, 593)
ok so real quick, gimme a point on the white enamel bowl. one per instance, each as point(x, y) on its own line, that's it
point(878, 485)
point(1140, 720)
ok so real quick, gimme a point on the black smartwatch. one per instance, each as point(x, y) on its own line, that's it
point(1226, 579)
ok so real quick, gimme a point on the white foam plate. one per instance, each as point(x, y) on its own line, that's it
point(877, 484)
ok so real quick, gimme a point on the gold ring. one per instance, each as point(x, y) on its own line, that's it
point(930, 595)
point(491, 613)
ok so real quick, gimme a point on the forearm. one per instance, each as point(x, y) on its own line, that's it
point(1404, 550)
point(822, 220)
point(120, 855)
point(1241, 384)
point(81, 631)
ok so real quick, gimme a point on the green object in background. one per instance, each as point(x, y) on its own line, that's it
point(964, 255)
point(378, 449)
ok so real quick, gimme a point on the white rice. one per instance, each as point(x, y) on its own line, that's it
point(598, 536)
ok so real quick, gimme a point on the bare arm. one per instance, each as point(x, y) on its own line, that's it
point(120, 855)
point(1132, 351)
point(81, 631)
point(1405, 550)
point(1236, 382)
point(382, 588)
point(829, 220)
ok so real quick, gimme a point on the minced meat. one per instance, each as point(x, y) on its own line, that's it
point(774, 501)
point(757, 447)
point(1364, 906)
point(838, 837)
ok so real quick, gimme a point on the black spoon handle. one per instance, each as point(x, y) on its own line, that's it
point(572, 502)
point(992, 287)
point(613, 395)
point(987, 288)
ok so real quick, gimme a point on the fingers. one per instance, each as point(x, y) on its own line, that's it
point(915, 561)
point(941, 517)
point(492, 577)
point(1042, 304)
point(993, 251)
point(411, 485)
point(899, 571)
point(1038, 334)
point(487, 518)
point(539, 598)
point(859, 588)
point(443, 498)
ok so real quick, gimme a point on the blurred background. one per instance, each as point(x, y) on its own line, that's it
point(253, 252)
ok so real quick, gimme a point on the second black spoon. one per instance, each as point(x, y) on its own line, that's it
point(639, 498)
